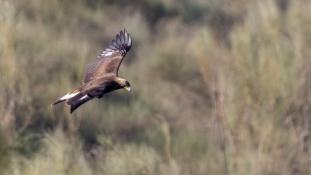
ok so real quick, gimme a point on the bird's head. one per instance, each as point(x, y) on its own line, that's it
point(123, 83)
point(127, 86)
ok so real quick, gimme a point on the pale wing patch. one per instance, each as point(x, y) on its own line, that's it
point(106, 52)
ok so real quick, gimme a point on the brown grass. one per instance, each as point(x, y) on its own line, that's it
point(219, 87)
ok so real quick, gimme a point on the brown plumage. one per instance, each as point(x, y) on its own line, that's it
point(101, 75)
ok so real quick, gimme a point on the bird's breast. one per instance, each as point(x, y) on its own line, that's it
point(103, 88)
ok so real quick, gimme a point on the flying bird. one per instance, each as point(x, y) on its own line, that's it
point(101, 75)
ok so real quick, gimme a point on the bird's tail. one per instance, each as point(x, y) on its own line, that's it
point(74, 99)
point(77, 101)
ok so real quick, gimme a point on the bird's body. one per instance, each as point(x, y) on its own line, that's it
point(101, 76)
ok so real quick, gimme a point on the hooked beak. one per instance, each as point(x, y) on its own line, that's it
point(128, 88)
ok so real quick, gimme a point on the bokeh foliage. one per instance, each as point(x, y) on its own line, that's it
point(219, 87)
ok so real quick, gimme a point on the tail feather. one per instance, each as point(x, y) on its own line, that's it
point(67, 96)
point(74, 99)
point(58, 101)
point(76, 102)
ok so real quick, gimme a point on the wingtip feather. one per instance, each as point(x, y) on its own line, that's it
point(121, 43)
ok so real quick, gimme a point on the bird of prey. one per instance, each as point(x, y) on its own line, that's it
point(101, 75)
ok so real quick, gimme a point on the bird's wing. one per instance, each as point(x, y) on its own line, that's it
point(110, 59)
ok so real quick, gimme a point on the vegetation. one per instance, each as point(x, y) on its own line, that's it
point(219, 87)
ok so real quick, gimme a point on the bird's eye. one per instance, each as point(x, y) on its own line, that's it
point(127, 83)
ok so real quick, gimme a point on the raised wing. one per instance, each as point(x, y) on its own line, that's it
point(110, 59)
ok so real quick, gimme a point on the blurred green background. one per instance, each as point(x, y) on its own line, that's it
point(219, 87)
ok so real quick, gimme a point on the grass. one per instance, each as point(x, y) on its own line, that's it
point(219, 87)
